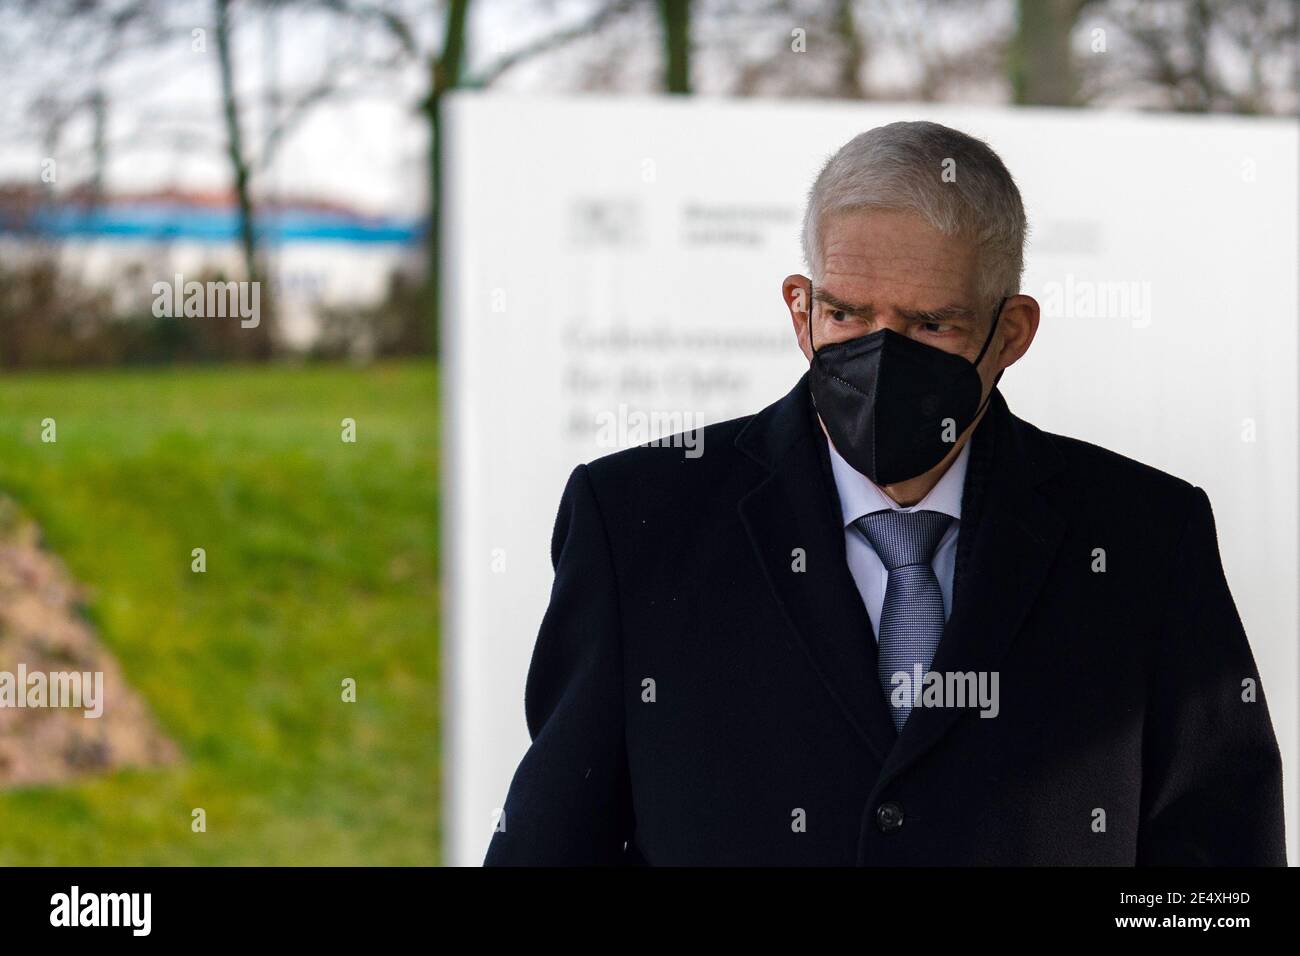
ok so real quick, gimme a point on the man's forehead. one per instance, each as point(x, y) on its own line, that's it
point(891, 258)
point(885, 244)
point(861, 272)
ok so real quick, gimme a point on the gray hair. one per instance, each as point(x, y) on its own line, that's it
point(902, 166)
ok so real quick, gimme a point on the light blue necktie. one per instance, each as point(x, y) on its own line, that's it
point(911, 619)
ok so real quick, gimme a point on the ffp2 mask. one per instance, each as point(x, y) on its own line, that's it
point(894, 407)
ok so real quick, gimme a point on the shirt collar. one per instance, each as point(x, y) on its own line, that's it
point(859, 495)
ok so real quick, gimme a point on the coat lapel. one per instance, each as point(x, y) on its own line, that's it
point(796, 508)
point(1009, 537)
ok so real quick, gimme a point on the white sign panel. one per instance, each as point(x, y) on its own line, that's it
point(611, 258)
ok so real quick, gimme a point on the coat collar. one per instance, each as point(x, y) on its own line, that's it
point(1009, 535)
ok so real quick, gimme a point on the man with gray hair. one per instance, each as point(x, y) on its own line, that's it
point(885, 621)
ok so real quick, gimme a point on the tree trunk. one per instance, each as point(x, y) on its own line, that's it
point(445, 73)
point(849, 82)
point(99, 145)
point(1041, 66)
point(676, 18)
point(261, 333)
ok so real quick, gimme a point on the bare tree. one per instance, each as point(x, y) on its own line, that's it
point(444, 64)
point(853, 52)
point(446, 75)
point(241, 173)
point(675, 16)
point(1237, 56)
point(1040, 61)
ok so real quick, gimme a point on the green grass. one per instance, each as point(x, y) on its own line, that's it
point(321, 565)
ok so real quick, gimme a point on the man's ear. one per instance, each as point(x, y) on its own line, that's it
point(1017, 328)
point(795, 290)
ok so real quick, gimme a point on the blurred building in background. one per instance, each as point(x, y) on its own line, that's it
point(324, 261)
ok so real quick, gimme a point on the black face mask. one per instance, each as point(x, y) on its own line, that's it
point(892, 406)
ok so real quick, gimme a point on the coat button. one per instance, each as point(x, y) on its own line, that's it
point(889, 817)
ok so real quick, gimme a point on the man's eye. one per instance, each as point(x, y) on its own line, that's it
point(938, 328)
point(837, 315)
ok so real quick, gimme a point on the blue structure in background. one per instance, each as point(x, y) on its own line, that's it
point(164, 221)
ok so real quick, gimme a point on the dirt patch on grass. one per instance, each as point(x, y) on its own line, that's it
point(43, 632)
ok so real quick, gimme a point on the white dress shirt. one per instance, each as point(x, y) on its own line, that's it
point(860, 496)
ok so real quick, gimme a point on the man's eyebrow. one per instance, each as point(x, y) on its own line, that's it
point(937, 315)
point(943, 314)
point(822, 295)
